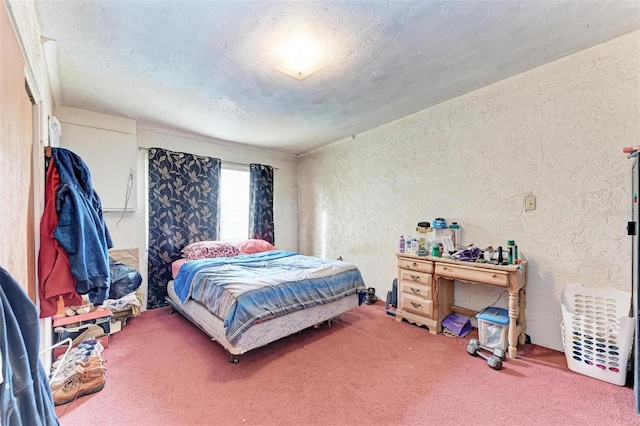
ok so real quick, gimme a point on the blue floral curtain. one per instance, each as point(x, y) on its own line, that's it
point(184, 206)
point(261, 204)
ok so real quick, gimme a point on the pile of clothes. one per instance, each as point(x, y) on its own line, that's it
point(74, 239)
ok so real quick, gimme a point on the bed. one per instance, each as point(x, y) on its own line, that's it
point(247, 301)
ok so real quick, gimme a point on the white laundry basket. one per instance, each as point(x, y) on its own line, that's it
point(597, 332)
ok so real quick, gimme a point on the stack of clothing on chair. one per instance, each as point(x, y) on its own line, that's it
point(80, 372)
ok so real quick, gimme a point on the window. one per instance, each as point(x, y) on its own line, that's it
point(234, 204)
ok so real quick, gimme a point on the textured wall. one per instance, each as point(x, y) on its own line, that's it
point(129, 230)
point(555, 132)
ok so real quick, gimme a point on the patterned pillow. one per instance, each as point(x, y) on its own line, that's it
point(255, 246)
point(209, 249)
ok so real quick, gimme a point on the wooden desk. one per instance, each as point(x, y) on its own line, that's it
point(426, 286)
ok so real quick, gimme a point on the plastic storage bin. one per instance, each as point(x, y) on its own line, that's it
point(597, 332)
point(493, 328)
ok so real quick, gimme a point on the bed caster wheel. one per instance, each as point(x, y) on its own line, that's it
point(234, 359)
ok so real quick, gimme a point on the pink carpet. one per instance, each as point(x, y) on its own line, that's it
point(366, 369)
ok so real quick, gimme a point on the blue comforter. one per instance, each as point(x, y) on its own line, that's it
point(244, 289)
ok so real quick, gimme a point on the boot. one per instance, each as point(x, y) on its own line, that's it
point(68, 371)
point(86, 381)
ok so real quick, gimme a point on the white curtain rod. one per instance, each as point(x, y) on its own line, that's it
point(222, 161)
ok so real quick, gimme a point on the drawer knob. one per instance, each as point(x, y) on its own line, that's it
point(415, 265)
point(493, 275)
point(416, 305)
point(415, 290)
point(444, 268)
point(415, 277)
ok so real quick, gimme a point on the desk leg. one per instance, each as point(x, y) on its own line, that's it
point(523, 322)
point(514, 312)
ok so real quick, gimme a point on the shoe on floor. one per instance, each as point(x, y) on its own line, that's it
point(86, 381)
point(90, 344)
point(79, 354)
point(69, 369)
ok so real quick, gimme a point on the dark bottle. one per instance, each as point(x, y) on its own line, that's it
point(511, 247)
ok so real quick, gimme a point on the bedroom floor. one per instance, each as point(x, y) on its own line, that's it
point(365, 369)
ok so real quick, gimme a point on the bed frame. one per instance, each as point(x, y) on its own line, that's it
point(260, 333)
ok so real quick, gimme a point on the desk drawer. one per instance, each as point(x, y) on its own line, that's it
point(464, 273)
point(414, 277)
point(416, 288)
point(417, 305)
point(415, 265)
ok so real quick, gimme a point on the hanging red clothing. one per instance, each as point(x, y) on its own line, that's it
point(54, 271)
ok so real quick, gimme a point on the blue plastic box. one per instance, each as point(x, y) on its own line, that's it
point(493, 328)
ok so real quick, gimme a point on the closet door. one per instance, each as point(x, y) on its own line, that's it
point(16, 215)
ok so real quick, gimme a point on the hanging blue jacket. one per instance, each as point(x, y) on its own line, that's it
point(25, 396)
point(81, 230)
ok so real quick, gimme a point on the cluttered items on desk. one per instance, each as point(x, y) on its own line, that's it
point(437, 239)
point(471, 253)
point(429, 234)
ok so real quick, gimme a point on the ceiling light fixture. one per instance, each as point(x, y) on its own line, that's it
point(302, 59)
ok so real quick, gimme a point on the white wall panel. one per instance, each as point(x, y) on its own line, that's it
point(107, 144)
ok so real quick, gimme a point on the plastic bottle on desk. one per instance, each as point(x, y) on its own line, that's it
point(407, 248)
point(414, 246)
point(511, 247)
point(455, 231)
point(401, 245)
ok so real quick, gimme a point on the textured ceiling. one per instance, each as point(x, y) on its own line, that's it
point(207, 67)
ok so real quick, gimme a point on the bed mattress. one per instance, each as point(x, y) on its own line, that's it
point(251, 288)
point(263, 332)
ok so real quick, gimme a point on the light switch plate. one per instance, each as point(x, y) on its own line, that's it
point(530, 203)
